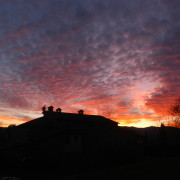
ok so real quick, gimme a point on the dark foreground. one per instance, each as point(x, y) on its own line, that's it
point(159, 168)
point(152, 168)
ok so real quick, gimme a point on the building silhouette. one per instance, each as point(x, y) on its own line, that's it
point(67, 141)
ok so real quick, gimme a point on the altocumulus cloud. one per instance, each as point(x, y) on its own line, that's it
point(78, 54)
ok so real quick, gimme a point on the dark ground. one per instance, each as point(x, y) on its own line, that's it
point(149, 169)
point(157, 168)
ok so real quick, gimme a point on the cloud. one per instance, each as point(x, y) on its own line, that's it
point(79, 54)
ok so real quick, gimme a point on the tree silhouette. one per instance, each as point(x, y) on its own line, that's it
point(175, 114)
point(175, 109)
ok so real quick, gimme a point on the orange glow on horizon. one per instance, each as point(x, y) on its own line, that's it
point(5, 121)
point(131, 120)
point(143, 123)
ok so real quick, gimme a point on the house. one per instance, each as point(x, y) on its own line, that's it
point(65, 140)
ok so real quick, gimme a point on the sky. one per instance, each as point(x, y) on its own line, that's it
point(116, 58)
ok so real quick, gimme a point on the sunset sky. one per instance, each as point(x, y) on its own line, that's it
point(116, 58)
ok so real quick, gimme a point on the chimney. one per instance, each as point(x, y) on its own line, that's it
point(81, 112)
point(50, 108)
point(58, 110)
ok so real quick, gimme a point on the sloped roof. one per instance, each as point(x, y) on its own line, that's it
point(70, 117)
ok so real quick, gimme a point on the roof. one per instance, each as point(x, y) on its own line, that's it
point(50, 117)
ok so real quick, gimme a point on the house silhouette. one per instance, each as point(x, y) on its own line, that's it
point(65, 141)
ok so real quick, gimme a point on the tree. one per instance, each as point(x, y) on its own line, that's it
point(175, 109)
point(175, 114)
